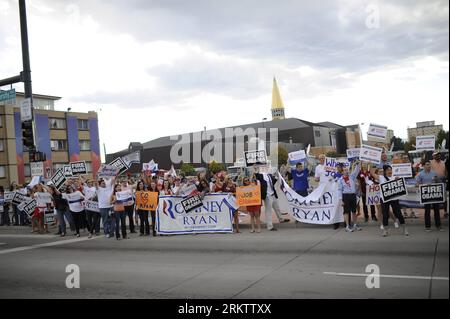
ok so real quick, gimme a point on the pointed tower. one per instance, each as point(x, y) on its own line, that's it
point(277, 103)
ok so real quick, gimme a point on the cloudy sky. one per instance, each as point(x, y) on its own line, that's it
point(155, 68)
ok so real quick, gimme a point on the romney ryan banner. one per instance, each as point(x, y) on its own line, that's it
point(214, 216)
point(320, 207)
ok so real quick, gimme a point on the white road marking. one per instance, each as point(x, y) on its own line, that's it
point(385, 276)
point(56, 243)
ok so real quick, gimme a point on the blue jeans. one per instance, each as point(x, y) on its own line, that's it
point(61, 220)
point(108, 227)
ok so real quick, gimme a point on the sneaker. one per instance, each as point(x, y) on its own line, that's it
point(374, 219)
point(63, 234)
point(396, 225)
point(381, 227)
point(405, 231)
point(118, 238)
point(384, 233)
point(90, 235)
point(440, 229)
point(356, 227)
point(78, 235)
point(348, 229)
point(274, 229)
point(428, 230)
point(107, 235)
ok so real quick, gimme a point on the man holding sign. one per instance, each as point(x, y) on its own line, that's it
point(427, 176)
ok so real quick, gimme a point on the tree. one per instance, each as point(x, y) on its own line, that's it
point(282, 155)
point(441, 136)
point(332, 154)
point(407, 146)
point(187, 169)
point(215, 167)
point(399, 145)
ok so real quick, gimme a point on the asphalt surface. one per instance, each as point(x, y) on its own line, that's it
point(297, 261)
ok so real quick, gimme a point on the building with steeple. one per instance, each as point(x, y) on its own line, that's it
point(277, 103)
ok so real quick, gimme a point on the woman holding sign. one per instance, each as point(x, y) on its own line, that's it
point(394, 204)
point(229, 187)
point(119, 211)
point(143, 214)
point(254, 211)
point(76, 207)
point(153, 188)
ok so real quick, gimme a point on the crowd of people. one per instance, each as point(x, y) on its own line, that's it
point(116, 214)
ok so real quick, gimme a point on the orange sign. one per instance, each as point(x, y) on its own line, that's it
point(248, 195)
point(146, 200)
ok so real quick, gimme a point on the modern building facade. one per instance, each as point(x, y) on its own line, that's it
point(423, 128)
point(63, 136)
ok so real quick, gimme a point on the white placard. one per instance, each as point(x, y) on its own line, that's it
point(377, 131)
point(425, 143)
point(401, 170)
point(25, 110)
point(353, 153)
point(370, 154)
point(37, 168)
point(296, 157)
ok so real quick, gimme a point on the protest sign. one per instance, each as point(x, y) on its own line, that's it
point(432, 193)
point(131, 158)
point(394, 189)
point(297, 157)
point(322, 206)
point(402, 170)
point(212, 217)
point(332, 163)
point(189, 190)
point(377, 131)
point(92, 206)
point(425, 143)
point(8, 196)
point(255, 158)
point(78, 168)
point(373, 194)
point(37, 168)
point(248, 195)
point(67, 170)
point(19, 198)
point(107, 171)
point(231, 202)
point(191, 203)
point(58, 179)
point(370, 154)
point(124, 196)
point(146, 200)
point(49, 217)
point(120, 164)
point(353, 154)
point(28, 206)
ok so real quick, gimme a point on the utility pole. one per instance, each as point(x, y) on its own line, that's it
point(26, 73)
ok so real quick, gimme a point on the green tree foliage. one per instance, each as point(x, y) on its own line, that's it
point(215, 167)
point(282, 155)
point(187, 169)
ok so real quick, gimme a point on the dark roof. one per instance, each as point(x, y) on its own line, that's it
point(352, 127)
point(330, 125)
point(282, 125)
point(41, 96)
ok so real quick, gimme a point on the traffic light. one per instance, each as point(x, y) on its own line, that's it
point(37, 156)
point(27, 135)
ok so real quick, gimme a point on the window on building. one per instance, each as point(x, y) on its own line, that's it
point(57, 123)
point(27, 170)
point(89, 167)
point(85, 145)
point(317, 133)
point(2, 172)
point(58, 145)
point(2, 145)
point(1, 120)
point(83, 124)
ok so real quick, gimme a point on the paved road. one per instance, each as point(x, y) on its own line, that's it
point(298, 261)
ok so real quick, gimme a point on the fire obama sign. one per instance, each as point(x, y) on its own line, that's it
point(432, 193)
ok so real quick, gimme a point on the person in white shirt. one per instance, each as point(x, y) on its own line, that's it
point(129, 188)
point(320, 173)
point(93, 218)
point(104, 191)
point(75, 200)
